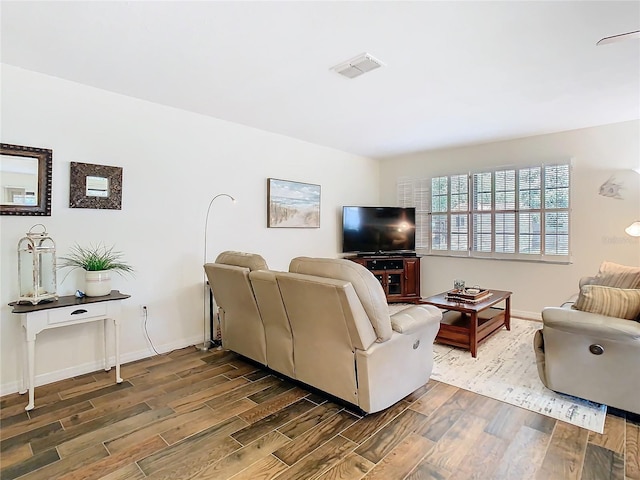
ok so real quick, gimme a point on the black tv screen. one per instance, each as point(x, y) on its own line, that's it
point(378, 229)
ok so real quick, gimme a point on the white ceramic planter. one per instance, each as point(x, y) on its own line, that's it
point(98, 283)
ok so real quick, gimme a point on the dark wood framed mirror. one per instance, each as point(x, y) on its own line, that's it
point(95, 186)
point(25, 180)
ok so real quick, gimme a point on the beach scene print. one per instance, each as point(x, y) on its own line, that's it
point(293, 204)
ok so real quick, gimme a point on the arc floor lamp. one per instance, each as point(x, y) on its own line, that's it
point(206, 344)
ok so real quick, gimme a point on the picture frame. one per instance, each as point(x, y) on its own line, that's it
point(292, 204)
point(95, 186)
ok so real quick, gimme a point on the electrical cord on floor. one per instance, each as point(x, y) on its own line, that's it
point(146, 332)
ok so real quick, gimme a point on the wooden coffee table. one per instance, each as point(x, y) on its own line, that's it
point(467, 324)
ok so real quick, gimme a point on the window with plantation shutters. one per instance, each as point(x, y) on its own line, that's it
point(507, 212)
point(415, 193)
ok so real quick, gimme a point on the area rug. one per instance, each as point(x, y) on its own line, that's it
point(505, 369)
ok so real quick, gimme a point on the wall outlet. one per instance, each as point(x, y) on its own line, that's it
point(144, 311)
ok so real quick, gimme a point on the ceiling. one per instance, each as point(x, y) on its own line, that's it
point(457, 73)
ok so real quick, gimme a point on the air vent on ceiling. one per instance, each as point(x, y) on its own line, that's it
point(357, 66)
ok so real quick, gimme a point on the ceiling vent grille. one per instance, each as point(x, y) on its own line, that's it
point(357, 66)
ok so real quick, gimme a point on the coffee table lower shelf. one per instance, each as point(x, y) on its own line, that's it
point(455, 328)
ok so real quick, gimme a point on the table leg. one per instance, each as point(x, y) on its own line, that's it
point(25, 364)
point(116, 324)
point(107, 367)
point(507, 313)
point(473, 341)
point(31, 350)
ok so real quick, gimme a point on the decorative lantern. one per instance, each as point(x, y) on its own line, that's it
point(37, 267)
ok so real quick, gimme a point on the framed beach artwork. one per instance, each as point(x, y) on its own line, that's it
point(292, 204)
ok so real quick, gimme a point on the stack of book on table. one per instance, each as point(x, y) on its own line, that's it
point(470, 295)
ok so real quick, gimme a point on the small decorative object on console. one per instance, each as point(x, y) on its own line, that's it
point(98, 262)
point(37, 267)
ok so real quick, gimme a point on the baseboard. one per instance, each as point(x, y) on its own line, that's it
point(537, 316)
point(50, 377)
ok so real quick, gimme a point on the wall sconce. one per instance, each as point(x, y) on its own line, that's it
point(207, 343)
point(633, 229)
point(37, 267)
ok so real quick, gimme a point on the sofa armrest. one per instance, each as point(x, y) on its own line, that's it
point(415, 318)
point(584, 323)
point(390, 370)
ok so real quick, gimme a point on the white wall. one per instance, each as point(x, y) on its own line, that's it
point(173, 163)
point(598, 222)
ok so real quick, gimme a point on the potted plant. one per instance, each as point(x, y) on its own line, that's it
point(98, 262)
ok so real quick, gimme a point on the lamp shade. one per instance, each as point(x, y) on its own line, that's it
point(633, 229)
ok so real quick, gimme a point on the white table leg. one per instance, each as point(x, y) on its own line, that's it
point(31, 344)
point(25, 363)
point(107, 367)
point(116, 324)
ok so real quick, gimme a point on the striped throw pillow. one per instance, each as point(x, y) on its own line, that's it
point(609, 301)
point(619, 276)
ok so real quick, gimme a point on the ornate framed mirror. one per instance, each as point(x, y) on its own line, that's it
point(95, 186)
point(25, 180)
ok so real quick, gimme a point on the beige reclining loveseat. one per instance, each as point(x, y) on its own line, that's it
point(593, 351)
point(324, 323)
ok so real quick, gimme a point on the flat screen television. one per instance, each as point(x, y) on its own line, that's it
point(378, 230)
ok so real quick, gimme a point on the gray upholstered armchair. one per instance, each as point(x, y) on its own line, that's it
point(590, 347)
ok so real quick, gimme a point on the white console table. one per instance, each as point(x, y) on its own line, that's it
point(65, 311)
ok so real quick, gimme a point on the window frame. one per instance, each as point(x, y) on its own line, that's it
point(424, 220)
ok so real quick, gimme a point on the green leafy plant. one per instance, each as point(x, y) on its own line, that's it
point(95, 258)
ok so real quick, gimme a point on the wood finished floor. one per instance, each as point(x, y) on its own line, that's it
point(214, 416)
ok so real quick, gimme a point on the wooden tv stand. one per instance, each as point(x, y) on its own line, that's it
point(399, 275)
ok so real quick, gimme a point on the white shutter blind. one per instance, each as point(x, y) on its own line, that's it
point(482, 232)
point(505, 211)
point(556, 204)
point(405, 192)
point(415, 193)
point(482, 191)
point(421, 200)
point(505, 236)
